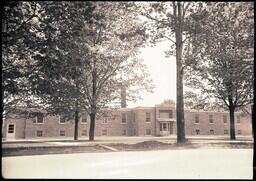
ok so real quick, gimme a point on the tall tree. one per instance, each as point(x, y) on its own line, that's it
point(80, 54)
point(17, 37)
point(169, 21)
point(86, 56)
point(112, 39)
point(57, 80)
point(223, 71)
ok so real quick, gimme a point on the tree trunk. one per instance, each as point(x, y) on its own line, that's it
point(76, 124)
point(253, 120)
point(93, 105)
point(232, 123)
point(92, 126)
point(179, 101)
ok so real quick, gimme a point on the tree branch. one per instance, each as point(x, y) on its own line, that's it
point(159, 21)
point(186, 7)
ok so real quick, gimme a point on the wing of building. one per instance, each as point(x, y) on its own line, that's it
point(159, 120)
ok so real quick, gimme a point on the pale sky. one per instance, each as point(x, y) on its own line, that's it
point(163, 73)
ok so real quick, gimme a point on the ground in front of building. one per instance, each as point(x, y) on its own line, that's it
point(115, 144)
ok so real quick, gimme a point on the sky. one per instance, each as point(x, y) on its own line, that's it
point(162, 71)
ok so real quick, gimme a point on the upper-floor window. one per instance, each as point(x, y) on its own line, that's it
point(84, 118)
point(224, 118)
point(211, 118)
point(147, 116)
point(123, 117)
point(211, 131)
point(113, 116)
point(166, 114)
point(62, 120)
point(105, 120)
point(40, 118)
point(170, 114)
point(196, 118)
point(225, 131)
point(238, 119)
point(197, 131)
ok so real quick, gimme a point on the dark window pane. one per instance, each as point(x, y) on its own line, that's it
point(11, 128)
point(123, 118)
point(40, 118)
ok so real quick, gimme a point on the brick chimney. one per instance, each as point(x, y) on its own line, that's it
point(123, 97)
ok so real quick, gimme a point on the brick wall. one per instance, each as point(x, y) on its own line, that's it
point(140, 120)
point(135, 125)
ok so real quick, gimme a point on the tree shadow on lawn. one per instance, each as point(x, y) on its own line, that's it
point(141, 146)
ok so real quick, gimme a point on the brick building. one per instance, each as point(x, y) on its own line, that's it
point(159, 120)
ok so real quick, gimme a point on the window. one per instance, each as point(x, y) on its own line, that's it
point(113, 116)
point(123, 118)
point(196, 118)
point(124, 132)
point(225, 131)
point(134, 132)
point(105, 120)
point(212, 131)
point(84, 119)
point(39, 133)
point(62, 120)
point(165, 114)
point(40, 118)
point(62, 133)
point(148, 131)
point(197, 131)
point(170, 114)
point(163, 126)
point(11, 128)
point(225, 119)
point(84, 132)
point(238, 119)
point(104, 132)
point(211, 118)
point(147, 116)
point(239, 131)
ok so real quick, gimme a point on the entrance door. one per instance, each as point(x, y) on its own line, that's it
point(164, 128)
point(10, 131)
